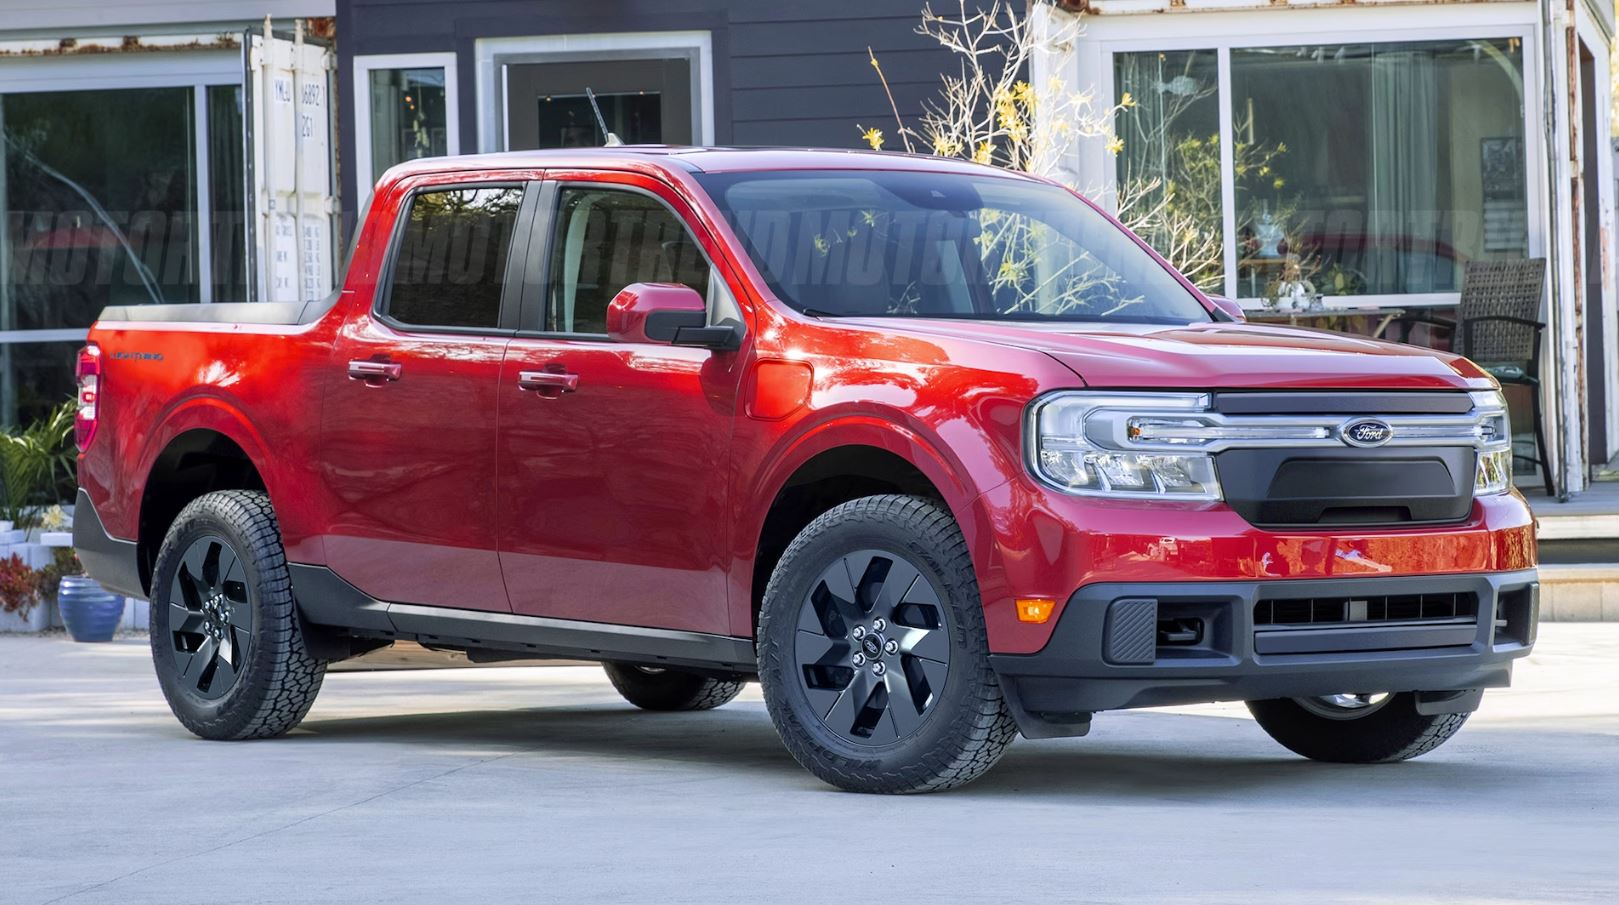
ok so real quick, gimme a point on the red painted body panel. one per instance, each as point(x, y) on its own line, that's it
point(639, 498)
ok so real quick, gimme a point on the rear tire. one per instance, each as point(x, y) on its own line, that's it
point(872, 651)
point(226, 639)
point(1385, 733)
point(653, 688)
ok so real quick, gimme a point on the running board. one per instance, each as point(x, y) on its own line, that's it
point(325, 599)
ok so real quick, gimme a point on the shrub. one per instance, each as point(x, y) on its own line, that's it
point(47, 581)
point(18, 586)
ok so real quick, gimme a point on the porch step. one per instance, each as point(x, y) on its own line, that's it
point(1579, 592)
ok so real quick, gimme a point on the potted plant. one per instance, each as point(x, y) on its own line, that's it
point(19, 597)
point(88, 610)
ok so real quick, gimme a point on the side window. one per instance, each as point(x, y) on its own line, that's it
point(607, 239)
point(451, 261)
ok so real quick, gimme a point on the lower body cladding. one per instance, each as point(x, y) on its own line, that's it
point(1130, 645)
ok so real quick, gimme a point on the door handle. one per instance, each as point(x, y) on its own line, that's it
point(375, 372)
point(547, 380)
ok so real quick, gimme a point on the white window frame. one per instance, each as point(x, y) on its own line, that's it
point(493, 55)
point(1224, 32)
point(364, 179)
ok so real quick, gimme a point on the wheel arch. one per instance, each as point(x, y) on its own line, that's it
point(832, 465)
point(194, 460)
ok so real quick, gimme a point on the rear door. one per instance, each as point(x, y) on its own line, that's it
point(408, 426)
point(612, 486)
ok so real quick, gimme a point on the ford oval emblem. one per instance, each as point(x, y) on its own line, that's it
point(1367, 433)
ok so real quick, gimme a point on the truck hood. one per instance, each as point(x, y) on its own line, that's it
point(1214, 356)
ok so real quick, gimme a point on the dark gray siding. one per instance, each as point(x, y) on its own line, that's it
point(785, 73)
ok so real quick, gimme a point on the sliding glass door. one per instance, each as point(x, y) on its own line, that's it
point(1367, 169)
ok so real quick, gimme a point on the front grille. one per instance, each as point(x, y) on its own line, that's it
point(1348, 611)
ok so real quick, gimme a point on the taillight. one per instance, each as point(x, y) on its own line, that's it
point(88, 373)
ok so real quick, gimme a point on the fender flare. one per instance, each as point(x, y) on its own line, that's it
point(961, 495)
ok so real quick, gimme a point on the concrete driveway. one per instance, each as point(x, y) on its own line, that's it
point(540, 785)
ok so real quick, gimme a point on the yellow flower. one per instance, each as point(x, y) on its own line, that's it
point(984, 152)
point(868, 217)
point(1280, 182)
point(1115, 145)
point(873, 137)
point(1281, 147)
point(821, 245)
point(944, 146)
point(1127, 100)
point(1264, 170)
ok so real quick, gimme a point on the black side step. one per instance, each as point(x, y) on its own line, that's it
point(325, 599)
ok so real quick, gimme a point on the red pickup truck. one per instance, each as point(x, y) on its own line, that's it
point(936, 452)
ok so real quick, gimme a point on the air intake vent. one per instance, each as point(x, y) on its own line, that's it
point(1325, 611)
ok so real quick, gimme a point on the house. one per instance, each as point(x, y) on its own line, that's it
point(437, 78)
point(125, 174)
point(1393, 141)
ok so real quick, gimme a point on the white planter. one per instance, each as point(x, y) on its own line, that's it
point(37, 620)
point(137, 615)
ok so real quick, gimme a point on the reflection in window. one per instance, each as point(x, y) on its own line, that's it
point(99, 195)
point(1169, 166)
point(408, 118)
point(451, 264)
point(1380, 168)
point(566, 121)
point(607, 240)
point(227, 212)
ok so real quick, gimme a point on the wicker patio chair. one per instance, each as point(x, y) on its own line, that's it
point(1498, 326)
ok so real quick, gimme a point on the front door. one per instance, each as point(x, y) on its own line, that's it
point(612, 488)
point(408, 426)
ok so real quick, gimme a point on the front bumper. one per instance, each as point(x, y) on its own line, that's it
point(1109, 649)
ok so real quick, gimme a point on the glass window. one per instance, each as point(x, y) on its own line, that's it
point(1377, 168)
point(450, 265)
point(99, 194)
point(566, 121)
point(227, 212)
point(608, 239)
point(36, 378)
point(408, 118)
point(1169, 183)
point(896, 244)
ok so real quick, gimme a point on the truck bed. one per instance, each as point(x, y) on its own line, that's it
point(272, 313)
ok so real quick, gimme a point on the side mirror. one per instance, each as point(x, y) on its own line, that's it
point(666, 313)
point(1229, 308)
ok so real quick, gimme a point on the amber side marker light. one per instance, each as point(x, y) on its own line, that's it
point(1035, 609)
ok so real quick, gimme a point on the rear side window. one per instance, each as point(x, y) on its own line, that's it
point(450, 266)
point(607, 239)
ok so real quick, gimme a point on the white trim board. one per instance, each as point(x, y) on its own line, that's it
point(494, 54)
point(364, 179)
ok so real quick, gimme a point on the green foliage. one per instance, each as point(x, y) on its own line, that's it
point(37, 464)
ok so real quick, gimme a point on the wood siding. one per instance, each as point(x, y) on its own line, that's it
point(784, 73)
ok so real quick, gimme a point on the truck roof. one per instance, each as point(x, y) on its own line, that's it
point(695, 160)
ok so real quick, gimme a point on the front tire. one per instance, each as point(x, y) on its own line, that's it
point(226, 638)
point(872, 651)
point(1355, 729)
point(653, 688)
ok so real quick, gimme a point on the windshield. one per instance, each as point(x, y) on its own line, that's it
point(899, 244)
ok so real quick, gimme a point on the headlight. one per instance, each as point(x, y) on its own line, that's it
point(1080, 444)
point(1494, 442)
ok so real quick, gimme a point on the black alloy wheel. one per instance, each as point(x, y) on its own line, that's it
point(210, 617)
point(872, 647)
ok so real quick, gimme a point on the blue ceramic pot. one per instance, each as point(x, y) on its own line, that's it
point(88, 611)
